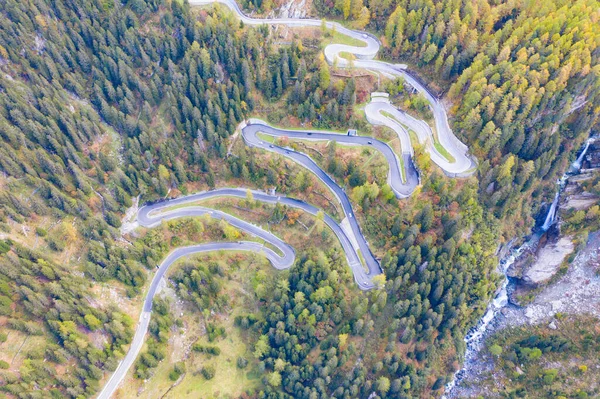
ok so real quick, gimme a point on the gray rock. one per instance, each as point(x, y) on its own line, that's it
point(549, 259)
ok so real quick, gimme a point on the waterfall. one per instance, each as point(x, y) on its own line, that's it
point(577, 164)
point(550, 217)
point(475, 338)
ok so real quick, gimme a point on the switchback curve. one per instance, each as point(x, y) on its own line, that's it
point(458, 164)
point(152, 215)
point(402, 187)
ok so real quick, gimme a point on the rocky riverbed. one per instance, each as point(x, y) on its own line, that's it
point(546, 277)
point(576, 292)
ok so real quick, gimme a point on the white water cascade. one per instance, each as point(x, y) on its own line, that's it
point(577, 164)
point(474, 340)
point(551, 216)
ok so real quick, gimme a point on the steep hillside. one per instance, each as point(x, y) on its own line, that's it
point(524, 81)
point(105, 105)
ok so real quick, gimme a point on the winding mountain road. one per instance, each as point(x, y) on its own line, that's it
point(403, 183)
point(153, 215)
point(402, 187)
point(459, 164)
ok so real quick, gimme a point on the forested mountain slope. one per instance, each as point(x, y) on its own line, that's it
point(514, 74)
point(102, 101)
point(126, 64)
point(522, 72)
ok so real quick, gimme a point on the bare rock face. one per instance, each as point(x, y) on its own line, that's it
point(548, 261)
point(294, 9)
point(580, 202)
point(577, 292)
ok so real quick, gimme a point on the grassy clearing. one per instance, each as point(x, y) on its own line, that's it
point(229, 380)
point(362, 260)
point(443, 152)
point(335, 37)
point(14, 351)
point(267, 138)
point(414, 138)
point(372, 157)
point(346, 55)
point(402, 168)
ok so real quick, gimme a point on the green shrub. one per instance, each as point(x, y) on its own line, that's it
point(496, 350)
point(4, 247)
point(5, 305)
point(242, 362)
point(208, 372)
point(5, 288)
point(439, 383)
point(4, 365)
point(246, 321)
point(215, 332)
point(211, 350)
point(177, 371)
point(549, 376)
point(173, 375)
point(55, 244)
point(41, 232)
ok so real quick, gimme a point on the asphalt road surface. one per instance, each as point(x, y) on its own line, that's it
point(463, 165)
point(403, 184)
point(401, 187)
point(153, 215)
point(383, 113)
